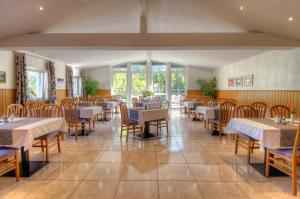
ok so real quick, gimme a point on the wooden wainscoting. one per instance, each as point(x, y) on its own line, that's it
point(7, 97)
point(104, 92)
point(271, 97)
point(194, 93)
point(61, 94)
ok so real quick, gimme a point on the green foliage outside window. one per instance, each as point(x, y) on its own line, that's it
point(90, 87)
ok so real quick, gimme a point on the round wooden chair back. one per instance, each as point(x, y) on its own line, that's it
point(35, 109)
point(221, 100)
point(124, 113)
point(211, 103)
point(69, 111)
point(51, 110)
point(244, 111)
point(280, 110)
point(135, 102)
point(260, 109)
point(201, 101)
point(227, 111)
point(17, 110)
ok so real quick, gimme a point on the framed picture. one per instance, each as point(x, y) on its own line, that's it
point(231, 82)
point(2, 77)
point(239, 81)
point(248, 80)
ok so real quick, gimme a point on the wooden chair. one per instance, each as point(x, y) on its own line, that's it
point(70, 113)
point(159, 124)
point(135, 102)
point(260, 109)
point(285, 160)
point(34, 109)
point(211, 102)
point(17, 110)
point(194, 113)
point(280, 110)
point(227, 111)
point(241, 139)
point(131, 126)
point(48, 111)
point(9, 161)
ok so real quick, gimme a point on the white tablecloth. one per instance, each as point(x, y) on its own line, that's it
point(209, 112)
point(189, 104)
point(89, 112)
point(152, 115)
point(24, 135)
point(152, 105)
point(268, 136)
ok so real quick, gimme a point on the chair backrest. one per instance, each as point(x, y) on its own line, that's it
point(244, 111)
point(227, 111)
point(260, 109)
point(280, 110)
point(35, 109)
point(17, 110)
point(156, 98)
point(221, 100)
point(296, 144)
point(124, 113)
point(69, 111)
point(51, 110)
point(211, 102)
point(135, 102)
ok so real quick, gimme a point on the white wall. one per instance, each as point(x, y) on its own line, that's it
point(100, 74)
point(196, 73)
point(7, 64)
point(273, 70)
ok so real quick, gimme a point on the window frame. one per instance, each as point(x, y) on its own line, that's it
point(43, 82)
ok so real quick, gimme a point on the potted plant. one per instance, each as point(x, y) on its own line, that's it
point(147, 94)
point(293, 113)
point(90, 87)
point(208, 87)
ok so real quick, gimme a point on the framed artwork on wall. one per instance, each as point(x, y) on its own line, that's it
point(230, 82)
point(248, 80)
point(239, 81)
point(2, 77)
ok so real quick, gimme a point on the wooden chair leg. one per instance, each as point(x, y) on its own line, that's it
point(17, 169)
point(58, 143)
point(121, 131)
point(294, 178)
point(127, 132)
point(47, 150)
point(249, 152)
point(236, 144)
point(76, 131)
point(220, 131)
point(267, 163)
point(167, 125)
point(42, 144)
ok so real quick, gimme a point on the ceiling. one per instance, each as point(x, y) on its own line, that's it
point(98, 58)
point(163, 16)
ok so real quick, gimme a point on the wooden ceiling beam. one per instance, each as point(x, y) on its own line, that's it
point(147, 41)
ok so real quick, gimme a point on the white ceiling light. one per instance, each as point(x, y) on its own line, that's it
point(41, 8)
point(242, 8)
point(291, 18)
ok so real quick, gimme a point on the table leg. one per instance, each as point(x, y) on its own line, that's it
point(147, 134)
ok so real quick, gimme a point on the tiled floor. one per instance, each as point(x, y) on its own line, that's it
point(189, 163)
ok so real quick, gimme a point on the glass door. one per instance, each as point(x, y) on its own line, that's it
point(159, 79)
point(178, 82)
point(119, 81)
point(138, 79)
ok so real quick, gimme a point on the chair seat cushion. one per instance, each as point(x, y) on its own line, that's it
point(5, 151)
point(211, 120)
point(285, 152)
point(133, 122)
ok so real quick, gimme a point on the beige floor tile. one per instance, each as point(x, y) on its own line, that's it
point(142, 156)
point(53, 189)
point(224, 190)
point(179, 190)
point(210, 172)
point(199, 158)
point(174, 172)
point(95, 189)
point(169, 157)
point(113, 156)
point(139, 171)
point(11, 189)
point(137, 190)
point(74, 171)
point(105, 171)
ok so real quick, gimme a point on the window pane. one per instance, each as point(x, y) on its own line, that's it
point(178, 83)
point(159, 77)
point(120, 80)
point(138, 72)
point(35, 84)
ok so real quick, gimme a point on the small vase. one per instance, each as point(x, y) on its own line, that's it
point(292, 119)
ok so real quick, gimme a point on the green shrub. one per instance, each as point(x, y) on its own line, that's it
point(90, 87)
point(208, 87)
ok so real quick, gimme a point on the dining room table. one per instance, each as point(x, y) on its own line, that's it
point(144, 117)
point(268, 133)
point(21, 132)
point(89, 113)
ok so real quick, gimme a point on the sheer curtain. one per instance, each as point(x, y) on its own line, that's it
point(21, 79)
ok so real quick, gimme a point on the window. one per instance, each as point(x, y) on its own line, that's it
point(77, 86)
point(119, 80)
point(177, 84)
point(37, 85)
point(138, 74)
point(159, 79)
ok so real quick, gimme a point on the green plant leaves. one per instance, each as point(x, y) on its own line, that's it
point(208, 87)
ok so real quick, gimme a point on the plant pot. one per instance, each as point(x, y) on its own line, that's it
point(293, 118)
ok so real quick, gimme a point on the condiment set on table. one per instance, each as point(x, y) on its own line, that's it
point(7, 119)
